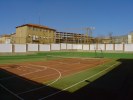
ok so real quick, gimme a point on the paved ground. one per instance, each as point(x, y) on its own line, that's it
point(116, 85)
point(25, 80)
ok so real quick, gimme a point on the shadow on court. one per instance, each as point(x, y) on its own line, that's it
point(115, 85)
point(17, 86)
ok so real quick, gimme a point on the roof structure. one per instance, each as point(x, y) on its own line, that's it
point(5, 35)
point(36, 25)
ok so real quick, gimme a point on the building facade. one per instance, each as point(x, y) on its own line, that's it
point(130, 37)
point(113, 39)
point(120, 39)
point(33, 33)
point(77, 38)
point(5, 39)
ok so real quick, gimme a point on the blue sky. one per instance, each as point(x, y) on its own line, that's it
point(107, 16)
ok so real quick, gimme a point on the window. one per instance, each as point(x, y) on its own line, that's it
point(34, 37)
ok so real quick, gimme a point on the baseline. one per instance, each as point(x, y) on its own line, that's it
point(45, 85)
point(78, 82)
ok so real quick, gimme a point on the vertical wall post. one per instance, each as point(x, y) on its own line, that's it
point(82, 47)
point(96, 46)
point(50, 46)
point(105, 46)
point(89, 46)
point(66, 46)
point(123, 47)
point(26, 47)
point(38, 47)
point(60, 46)
point(114, 46)
point(13, 48)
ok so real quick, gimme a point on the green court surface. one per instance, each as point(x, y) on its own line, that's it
point(41, 56)
point(74, 82)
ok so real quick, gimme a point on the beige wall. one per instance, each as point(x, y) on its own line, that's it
point(5, 39)
point(130, 38)
point(28, 34)
point(20, 36)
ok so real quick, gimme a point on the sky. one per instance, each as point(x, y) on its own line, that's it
point(107, 16)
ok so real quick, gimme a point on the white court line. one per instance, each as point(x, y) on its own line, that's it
point(78, 82)
point(45, 85)
point(69, 63)
point(25, 73)
point(11, 92)
point(48, 84)
point(26, 80)
point(39, 70)
point(25, 67)
point(19, 68)
point(34, 72)
point(68, 70)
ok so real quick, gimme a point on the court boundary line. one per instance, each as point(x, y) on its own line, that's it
point(71, 57)
point(77, 82)
point(65, 70)
point(11, 92)
point(52, 74)
point(45, 85)
point(17, 95)
point(23, 74)
point(72, 70)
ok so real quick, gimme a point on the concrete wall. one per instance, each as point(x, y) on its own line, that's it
point(69, 46)
point(77, 46)
point(119, 47)
point(5, 47)
point(19, 47)
point(100, 46)
point(129, 47)
point(110, 47)
point(55, 46)
point(92, 46)
point(63, 46)
point(48, 47)
point(32, 47)
point(86, 47)
point(44, 47)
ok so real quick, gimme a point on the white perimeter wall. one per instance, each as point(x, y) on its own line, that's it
point(69, 46)
point(5, 47)
point(44, 47)
point(32, 47)
point(63, 45)
point(55, 46)
point(92, 46)
point(77, 46)
point(109, 47)
point(20, 48)
point(47, 47)
point(129, 47)
point(119, 47)
point(86, 47)
point(101, 47)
